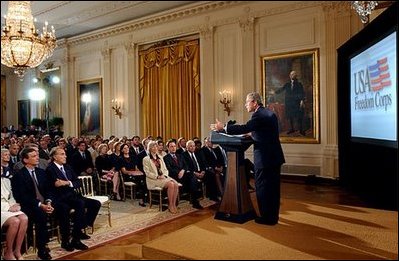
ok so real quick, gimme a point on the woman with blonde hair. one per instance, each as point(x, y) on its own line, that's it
point(13, 219)
point(107, 170)
point(157, 175)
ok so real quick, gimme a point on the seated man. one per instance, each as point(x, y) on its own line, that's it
point(30, 189)
point(64, 183)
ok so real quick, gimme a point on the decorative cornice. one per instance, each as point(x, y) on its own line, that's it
point(336, 9)
point(206, 29)
point(286, 8)
point(151, 21)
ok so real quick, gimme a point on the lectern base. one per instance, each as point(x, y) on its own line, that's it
point(236, 218)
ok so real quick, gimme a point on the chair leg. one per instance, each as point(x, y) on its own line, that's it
point(124, 192)
point(150, 195)
point(131, 192)
point(160, 201)
point(109, 214)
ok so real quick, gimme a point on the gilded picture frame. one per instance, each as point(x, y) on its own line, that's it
point(90, 119)
point(297, 108)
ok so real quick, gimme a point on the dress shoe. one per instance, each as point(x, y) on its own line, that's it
point(43, 255)
point(84, 236)
point(79, 245)
point(263, 221)
point(67, 246)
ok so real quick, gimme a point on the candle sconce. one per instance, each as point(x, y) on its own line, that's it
point(225, 99)
point(116, 106)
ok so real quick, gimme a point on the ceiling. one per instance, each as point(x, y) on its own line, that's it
point(71, 18)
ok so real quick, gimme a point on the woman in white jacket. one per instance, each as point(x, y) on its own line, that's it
point(13, 219)
point(157, 175)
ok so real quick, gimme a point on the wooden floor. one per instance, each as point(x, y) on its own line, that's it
point(129, 247)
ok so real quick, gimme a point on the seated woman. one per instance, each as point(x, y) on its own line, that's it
point(12, 219)
point(128, 165)
point(106, 170)
point(157, 175)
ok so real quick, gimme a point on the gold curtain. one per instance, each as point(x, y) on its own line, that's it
point(170, 90)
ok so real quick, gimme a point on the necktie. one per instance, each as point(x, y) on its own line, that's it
point(83, 155)
point(195, 162)
point(137, 150)
point(174, 157)
point(14, 159)
point(63, 173)
point(38, 195)
point(292, 85)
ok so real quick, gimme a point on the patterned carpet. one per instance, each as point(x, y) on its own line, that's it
point(127, 217)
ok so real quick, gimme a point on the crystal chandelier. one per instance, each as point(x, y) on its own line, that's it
point(364, 8)
point(21, 45)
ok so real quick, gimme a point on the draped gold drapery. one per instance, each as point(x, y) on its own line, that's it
point(170, 90)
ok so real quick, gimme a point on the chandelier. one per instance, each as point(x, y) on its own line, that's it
point(364, 8)
point(21, 45)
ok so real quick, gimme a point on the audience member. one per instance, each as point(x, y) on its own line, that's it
point(13, 220)
point(30, 188)
point(107, 170)
point(157, 175)
point(64, 182)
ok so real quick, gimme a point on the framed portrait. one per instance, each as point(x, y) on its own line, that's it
point(290, 84)
point(24, 112)
point(89, 107)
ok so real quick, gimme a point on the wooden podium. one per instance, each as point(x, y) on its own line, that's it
point(236, 205)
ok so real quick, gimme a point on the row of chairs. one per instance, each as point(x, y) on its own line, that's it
point(129, 189)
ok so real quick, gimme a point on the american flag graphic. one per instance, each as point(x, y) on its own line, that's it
point(379, 74)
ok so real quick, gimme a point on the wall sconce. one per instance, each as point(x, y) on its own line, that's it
point(116, 106)
point(225, 99)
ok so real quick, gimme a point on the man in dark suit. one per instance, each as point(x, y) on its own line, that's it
point(64, 183)
point(268, 156)
point(30, 187)
point(294, 103)
point(81, 161)
point(178, 170)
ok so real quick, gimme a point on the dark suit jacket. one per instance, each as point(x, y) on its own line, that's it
point(263, 126)
point(43, 154)
point(53, 173)
point(140, 158)
point(173, 167)
point(190, 164)
point(79, 164)
point(293, 98)
point(23, 188)
point(210, 158)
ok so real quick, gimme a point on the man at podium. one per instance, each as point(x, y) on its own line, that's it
point(268, 155)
